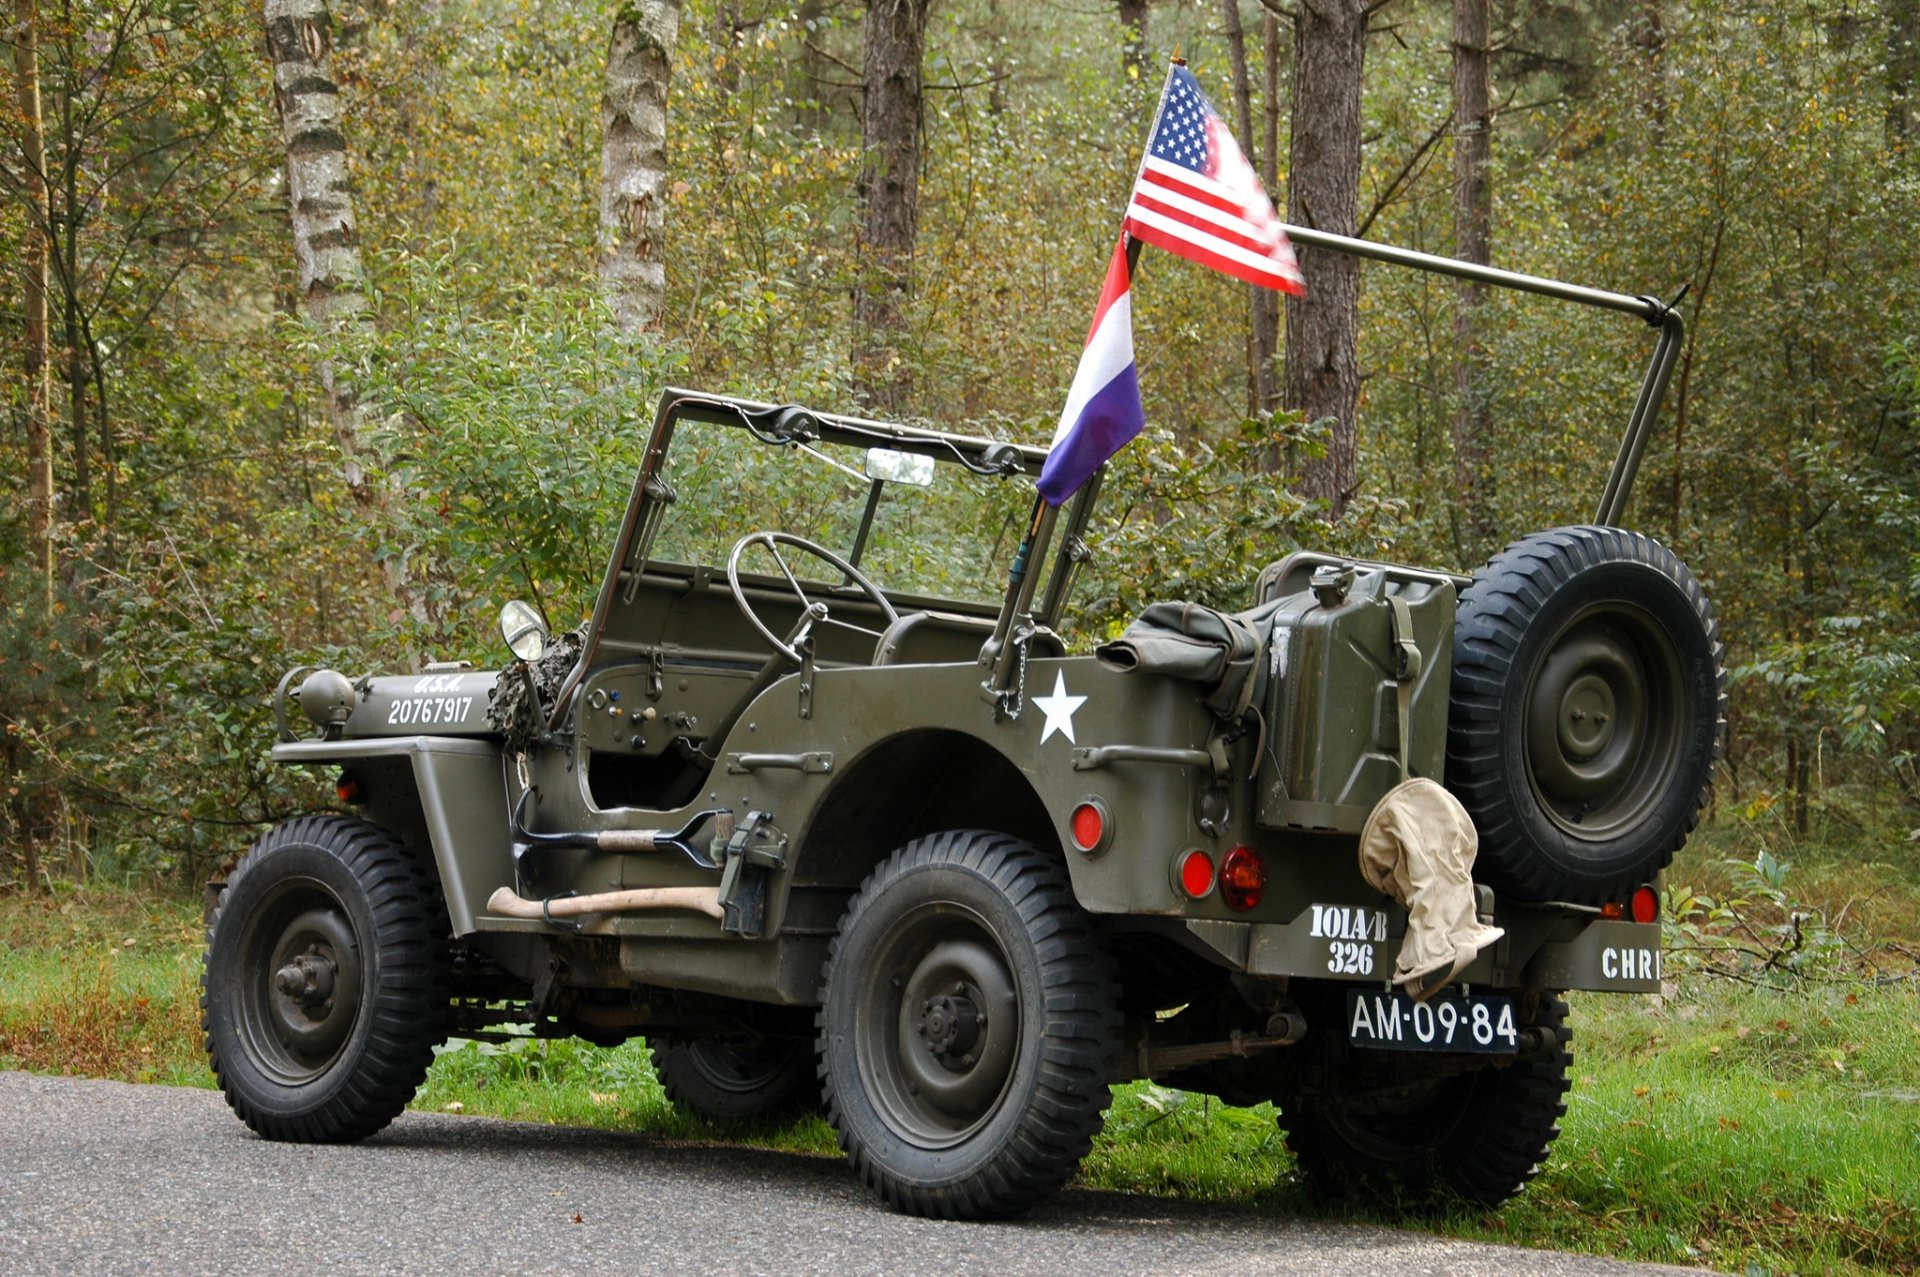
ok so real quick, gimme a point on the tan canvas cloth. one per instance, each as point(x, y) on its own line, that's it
point(1418, 847)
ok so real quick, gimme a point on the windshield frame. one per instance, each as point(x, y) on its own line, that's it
point(782, 425)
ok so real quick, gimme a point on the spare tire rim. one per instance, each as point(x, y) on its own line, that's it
point(1605, 721)
point(938, 1034)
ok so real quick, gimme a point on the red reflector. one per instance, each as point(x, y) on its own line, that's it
point(1196, 874)
point(1089, 826)
point(1613, 910)
point(348, 790)
point(1243, 878)
point(1646, 904)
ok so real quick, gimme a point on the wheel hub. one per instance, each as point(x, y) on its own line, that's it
point(307, 972)
point(308, 979)
point(951, 1023)
point(1586, 717)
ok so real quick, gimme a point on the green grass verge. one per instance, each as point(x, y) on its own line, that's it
point(1750, 1128)
point(102, 984)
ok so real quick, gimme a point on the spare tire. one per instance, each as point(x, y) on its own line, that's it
point(1588, 706)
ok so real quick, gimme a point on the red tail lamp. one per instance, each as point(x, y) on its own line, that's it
point(1090, 827)
point(1195, 871)
point(1642, 906)
point(1243, 878)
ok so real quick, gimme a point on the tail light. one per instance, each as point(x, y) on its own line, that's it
point(1194, 870)
point(1243, 878)
point(1090, 827)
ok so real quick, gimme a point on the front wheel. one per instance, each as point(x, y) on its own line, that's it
point(327, 980)
point(968, 1028)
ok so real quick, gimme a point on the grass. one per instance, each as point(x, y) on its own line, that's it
point(101, 983)
point(1763, 1117)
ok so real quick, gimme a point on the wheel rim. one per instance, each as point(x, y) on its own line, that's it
point(1415, 1128)
point(939, 1032)
point(743, 1067)
point(1605, 723)
point(300, 981)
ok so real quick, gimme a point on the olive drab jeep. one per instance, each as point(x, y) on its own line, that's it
point(828, 802)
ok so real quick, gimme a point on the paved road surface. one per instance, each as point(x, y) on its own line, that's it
point(101, 1177)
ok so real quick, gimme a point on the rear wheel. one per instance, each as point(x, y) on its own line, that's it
point(1479, 1136)
point(1587, 709)
point(727, 1079)
point(326, 982)
point(968, 1028)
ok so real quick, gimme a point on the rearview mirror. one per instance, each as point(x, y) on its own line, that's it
point(900, 467)
point(524, 631)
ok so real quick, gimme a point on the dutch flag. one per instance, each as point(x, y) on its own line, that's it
point(1103, 407)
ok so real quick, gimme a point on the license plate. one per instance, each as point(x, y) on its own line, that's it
point(1480, 1025)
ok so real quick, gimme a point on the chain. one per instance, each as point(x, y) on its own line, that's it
point(1024, 642)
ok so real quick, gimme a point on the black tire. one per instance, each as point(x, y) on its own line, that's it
point(726, 1079)
point(1588, 706)
point(327, 980)
point(968, 1029)
point(1478, 1136)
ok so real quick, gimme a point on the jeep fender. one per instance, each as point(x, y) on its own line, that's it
point(439, 794)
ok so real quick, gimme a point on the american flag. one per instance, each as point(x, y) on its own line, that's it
point(1196, 195)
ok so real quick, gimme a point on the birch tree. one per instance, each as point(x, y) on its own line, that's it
point(326, 243)
point(633, 161)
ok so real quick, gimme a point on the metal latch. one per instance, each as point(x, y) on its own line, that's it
point(749, 858)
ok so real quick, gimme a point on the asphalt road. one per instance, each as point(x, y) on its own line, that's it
point(101, 1177)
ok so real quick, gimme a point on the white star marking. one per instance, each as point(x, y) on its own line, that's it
point(1059, 709)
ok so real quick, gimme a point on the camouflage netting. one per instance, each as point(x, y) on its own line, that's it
point(512, 710)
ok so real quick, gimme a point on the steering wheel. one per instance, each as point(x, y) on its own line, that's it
point(811, 611)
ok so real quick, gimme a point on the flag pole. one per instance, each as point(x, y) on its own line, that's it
point(1024, 572)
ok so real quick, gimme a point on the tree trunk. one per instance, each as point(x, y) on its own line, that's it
point(1473, 474)
point(894, 40)
point(633, 161)
point(1259, 373)
point(1266, 315)
point(1652, 39)
point(331, 286)
point(1903, 69)
point(1133, 40)
point(1323, 189)
point(811, 111)
point(33, 269)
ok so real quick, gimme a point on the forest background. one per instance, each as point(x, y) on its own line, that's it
point(229, 487)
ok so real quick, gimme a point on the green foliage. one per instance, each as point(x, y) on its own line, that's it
point(514, 435)
point(1743, 154)
point(1199, 519)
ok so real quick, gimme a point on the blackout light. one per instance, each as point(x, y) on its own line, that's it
point(1243, 878)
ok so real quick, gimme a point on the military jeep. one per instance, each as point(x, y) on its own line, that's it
point(827, 802)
